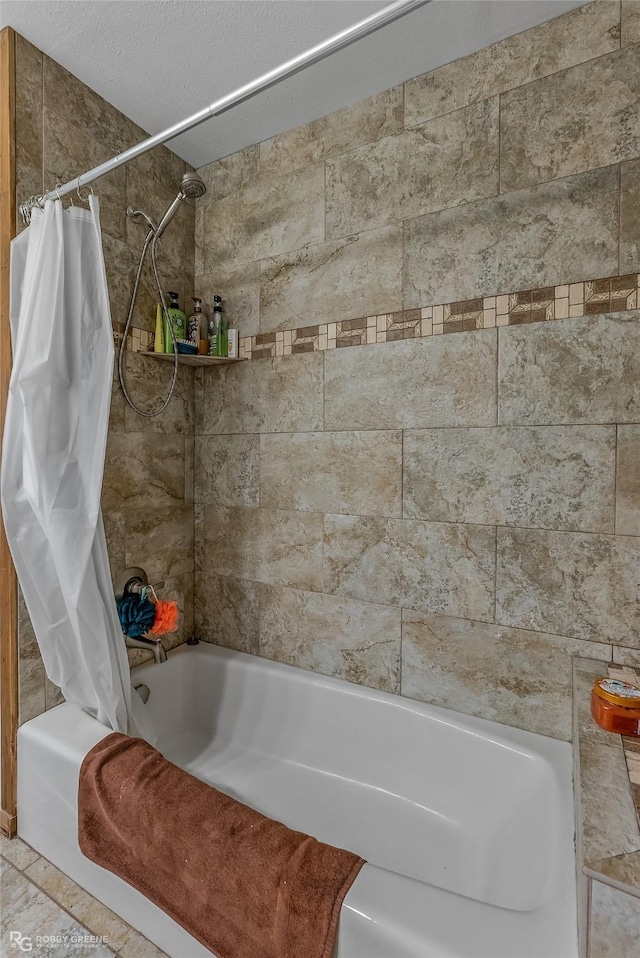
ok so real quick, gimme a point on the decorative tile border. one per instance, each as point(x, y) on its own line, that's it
point(610, 294)
point(613, 293)
point(138, 340)
point(631, 746)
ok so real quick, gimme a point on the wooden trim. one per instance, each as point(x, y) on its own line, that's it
point(8, 581)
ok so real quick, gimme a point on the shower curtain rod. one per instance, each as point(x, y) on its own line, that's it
point(314, 55)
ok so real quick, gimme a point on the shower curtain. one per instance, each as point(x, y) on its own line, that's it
point(53, 459)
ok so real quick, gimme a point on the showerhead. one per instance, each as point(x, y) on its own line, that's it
point(191, 187)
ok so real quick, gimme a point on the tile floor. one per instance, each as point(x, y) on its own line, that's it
point(38, 900)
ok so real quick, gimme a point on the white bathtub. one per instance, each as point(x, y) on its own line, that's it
point(466, 825)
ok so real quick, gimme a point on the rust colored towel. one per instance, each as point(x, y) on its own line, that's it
point(242, 884)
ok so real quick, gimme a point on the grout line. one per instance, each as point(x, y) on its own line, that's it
point(402, 508)
point(338, 596)
point(65, 909)
point(616, 464)
point(495, 575)
point(620, 222)
point(465, 523)
point(499, 144)
point(399, 426)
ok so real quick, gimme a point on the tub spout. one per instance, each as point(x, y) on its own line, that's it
point(150, 645)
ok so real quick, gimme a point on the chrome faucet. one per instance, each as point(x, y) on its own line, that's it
point(150, 645)
point(128, 582)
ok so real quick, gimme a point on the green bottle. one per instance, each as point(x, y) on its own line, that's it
point(222, 328)
point(178, 322)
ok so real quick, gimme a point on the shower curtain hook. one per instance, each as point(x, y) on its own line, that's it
point(83, 199)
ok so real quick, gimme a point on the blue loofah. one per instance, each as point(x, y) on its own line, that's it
point(136, 614)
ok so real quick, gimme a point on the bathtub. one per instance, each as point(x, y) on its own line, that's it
point(466, 825)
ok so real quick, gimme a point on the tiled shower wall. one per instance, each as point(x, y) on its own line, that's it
point(62, 129)
point(450, 517)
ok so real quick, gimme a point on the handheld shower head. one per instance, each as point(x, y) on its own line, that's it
point(191, 187)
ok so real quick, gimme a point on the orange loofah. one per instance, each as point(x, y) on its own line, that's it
point(166, 617)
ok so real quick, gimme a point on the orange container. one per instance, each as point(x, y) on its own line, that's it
point(615, 705)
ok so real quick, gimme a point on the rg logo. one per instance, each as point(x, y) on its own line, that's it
point(18, 940)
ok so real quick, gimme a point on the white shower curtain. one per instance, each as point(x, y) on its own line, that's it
point(53, 459)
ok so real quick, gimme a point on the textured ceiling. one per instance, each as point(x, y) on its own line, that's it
point(159, 61)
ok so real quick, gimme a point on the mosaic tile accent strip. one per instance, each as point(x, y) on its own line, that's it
point(631, 746)
point(138, 340)
point(610, 294)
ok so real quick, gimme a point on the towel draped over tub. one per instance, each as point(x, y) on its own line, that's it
point(242, 884)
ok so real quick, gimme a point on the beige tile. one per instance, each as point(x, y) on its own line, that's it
point(363, 122)
point(227, 612)
point(178, 242)
point(160, 163)
point(138, 947)
point(69, 97)
point(137, 472)
point(555, 45)
point(333, 281)
point(426, 566)
point(331, 635)
point(581, 119)
point(120, 264)
point(114, 534)
point(68, 151)
point(290, 392)
point(626, 656)
point(360, 472)
point(569, 583)
point(31, 674)
point(231, 174)
point(510, 676)
point(554, 477)
point(139, 657)
point(630, 22)
point(27, 909)
point(52, 694)
point(582, 370)
point(148, 381)
point(614, 928)
point(227, 470)
point(29, 60)
point(622, 869)
point(268, 217)
point(628, 481)
point(630, 217)
point(531, 238)
point(160, 539)
point(265, 545)
point(189, 468)
point(605, 785)
point(96, 917)
point(29, 122)
point(442, 163)
point(450, 381)
point(17, 852)
point(239, 287)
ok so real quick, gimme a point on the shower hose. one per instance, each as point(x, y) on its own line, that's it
point(152, 237)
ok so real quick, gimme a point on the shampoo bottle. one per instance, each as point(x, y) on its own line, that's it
point(194, 321)
point(223, 327)
point(178, 323)
point(158, 341)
